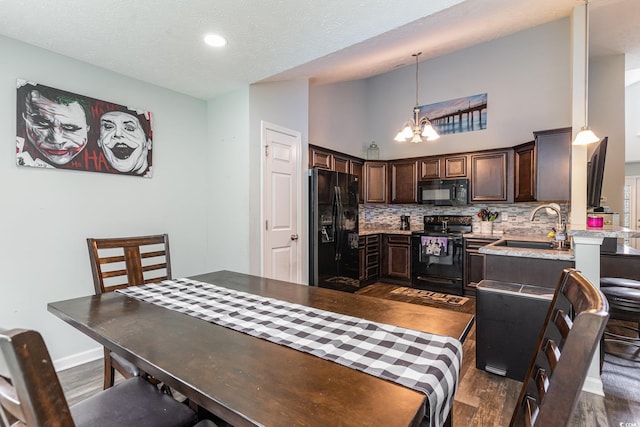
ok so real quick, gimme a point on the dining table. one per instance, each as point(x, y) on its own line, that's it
point(247, 380)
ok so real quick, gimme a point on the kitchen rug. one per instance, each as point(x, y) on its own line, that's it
point(431, 296)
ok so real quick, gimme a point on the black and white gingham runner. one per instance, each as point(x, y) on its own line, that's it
point(421, 361)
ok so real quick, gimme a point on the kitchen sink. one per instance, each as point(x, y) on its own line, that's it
point(527, 244)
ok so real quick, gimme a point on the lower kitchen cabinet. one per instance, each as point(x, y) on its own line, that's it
point(397, 257)
point(474, 263)
point(369, 249)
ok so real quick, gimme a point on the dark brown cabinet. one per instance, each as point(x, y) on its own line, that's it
point(369, 250)
point(356, 168)
point(525, 172)
point(404, 181)
point(397, 256)
point(375, 182)
point(429, 168)
point(320, 159)
point(455, 167)
point(553, 164)
point(327, 159)
point(543, 167)
point(443, 167)
point(473, 263)
point(341, 164)
point(489, 180)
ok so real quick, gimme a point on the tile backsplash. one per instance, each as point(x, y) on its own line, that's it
point(513, 218)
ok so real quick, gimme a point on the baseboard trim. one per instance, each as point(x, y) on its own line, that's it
point(593, 385)
point(78, 359)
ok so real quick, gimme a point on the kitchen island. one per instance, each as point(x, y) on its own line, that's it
point(585, 255)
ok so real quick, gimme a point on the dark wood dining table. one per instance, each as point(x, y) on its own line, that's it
point(248, 381)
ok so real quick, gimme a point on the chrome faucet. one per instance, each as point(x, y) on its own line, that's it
point(554, 207)
point(560, 231)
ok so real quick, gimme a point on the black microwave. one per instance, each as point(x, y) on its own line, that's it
point(444, 192)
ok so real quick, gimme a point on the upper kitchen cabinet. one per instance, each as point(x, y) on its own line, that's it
point(455, 166)
point(356, 168)
point(341, 164)
point(375, 182)
point(489, 176)
point(553, 163)
point(543, 167)
point(404, 181)
point(328, 159)
point(429, 168)
point(319, 158)
point(443, 167)
point(525, 172)
point(324, 158)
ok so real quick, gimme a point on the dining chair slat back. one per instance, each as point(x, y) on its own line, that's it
point(118, 263)
point(129, 261)
point(34, 396)
point(568, 340)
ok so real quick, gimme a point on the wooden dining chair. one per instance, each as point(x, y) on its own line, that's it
point(118, 263)
point(571, 332)
point(34, 396)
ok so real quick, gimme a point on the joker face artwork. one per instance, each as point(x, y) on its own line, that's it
point(124, 142)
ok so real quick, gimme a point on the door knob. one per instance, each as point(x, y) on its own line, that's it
point(294, 237)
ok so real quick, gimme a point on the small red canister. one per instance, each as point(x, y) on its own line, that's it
point(594, 221)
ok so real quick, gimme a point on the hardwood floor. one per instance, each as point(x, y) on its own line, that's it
point(485, 399)
point(482, 399)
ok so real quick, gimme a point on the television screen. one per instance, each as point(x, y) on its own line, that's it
point(595, 174)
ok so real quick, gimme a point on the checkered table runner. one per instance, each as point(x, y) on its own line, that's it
point(421, 361)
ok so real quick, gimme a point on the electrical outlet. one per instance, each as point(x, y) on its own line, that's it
point(504, 217)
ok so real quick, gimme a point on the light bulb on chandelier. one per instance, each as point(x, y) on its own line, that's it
point(417, 127)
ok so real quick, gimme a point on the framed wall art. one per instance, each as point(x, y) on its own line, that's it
point(62, 130)
point(458, 115)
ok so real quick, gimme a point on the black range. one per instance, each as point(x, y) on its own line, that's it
point(437, 253)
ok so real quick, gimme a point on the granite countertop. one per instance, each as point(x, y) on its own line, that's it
point(495, 248)
point(605, 231)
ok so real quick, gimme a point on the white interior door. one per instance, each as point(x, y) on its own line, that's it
point(281, 195)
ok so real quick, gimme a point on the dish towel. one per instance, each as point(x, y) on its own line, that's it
point(437, 246)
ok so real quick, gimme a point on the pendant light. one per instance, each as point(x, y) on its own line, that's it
point(586, 135)
point(417, 127)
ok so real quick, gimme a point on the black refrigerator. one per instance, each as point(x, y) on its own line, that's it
point(333, 233)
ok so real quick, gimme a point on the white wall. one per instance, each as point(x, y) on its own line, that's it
point(338, 117)
point(527, 77)
point(607, 118)
point(228, 186)
point(284, 104)
point(632, 122)
point(48, 214)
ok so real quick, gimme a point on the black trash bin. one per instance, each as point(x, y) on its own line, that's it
point(509, 318)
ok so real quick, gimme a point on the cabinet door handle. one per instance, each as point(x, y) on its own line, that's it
point(294, 237)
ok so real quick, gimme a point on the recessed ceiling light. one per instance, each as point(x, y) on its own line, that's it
point(215, 40)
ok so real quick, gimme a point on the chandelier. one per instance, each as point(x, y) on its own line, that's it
point(417, 128)
point(586, 135)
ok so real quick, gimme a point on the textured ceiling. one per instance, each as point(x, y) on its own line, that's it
point(160, 41)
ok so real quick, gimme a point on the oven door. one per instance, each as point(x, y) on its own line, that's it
point(437, 263)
